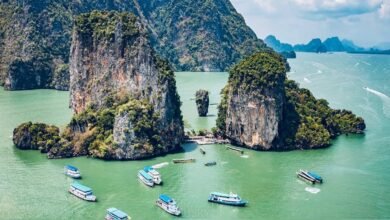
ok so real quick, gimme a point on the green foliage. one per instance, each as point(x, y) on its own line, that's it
point(258, 72)
point(311, 123)
point(103, 24)
point(222, 111)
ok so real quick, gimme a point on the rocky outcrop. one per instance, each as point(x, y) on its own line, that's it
point(191, 35)
point(202, 102)
point(262, 110)
point(254, 100)
point(314, 45)
point(36, 136)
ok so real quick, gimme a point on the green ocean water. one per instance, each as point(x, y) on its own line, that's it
point(355, 168)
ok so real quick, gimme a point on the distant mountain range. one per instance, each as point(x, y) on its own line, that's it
point(284, 49)
point(332, 44)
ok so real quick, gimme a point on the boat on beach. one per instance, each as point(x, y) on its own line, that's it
point(82, 192)
point(168, 204)
point(309, 176)
point(211, 163)
point(145, 178)
point(72, 171)
point(226, 199)
point(116, 214)
point(154, 174)
point(191, 160)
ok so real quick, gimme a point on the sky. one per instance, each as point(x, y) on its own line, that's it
point(366, 22)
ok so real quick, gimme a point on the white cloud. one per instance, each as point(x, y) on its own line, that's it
point(384, 11)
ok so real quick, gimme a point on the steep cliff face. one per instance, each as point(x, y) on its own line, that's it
point(262, 110)
point(35, 36)
point(255, 98)
point(124, 97)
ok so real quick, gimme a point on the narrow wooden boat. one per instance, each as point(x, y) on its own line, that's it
point(211, 163)
point(226, 199)
point(116, 214)
point(82, 192)
point(202, 150)
point(168, 204)
point(191, 160)
point(235, 149)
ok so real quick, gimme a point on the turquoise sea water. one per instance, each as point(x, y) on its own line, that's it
point(355, 168)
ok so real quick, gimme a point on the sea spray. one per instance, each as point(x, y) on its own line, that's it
point(385, 100)
point(160, 165)
point(306, 80)
point(312, 190)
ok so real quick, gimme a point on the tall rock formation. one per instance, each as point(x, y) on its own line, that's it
point(262, 110)
point(202, 102)
point(124, 97)
point(35, 36)
point(314, 45)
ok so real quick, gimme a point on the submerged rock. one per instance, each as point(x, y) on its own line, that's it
point(202, 102)
point(262, 110)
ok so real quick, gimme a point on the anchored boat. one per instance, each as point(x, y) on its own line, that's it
point(226, 199)
point(211, 163)
point(82, 192)
point(309, 176)
point(145, 178)
point(168, 204)
point(154, 174)
point(72, 171)
point(116, 214)
point(191, 160)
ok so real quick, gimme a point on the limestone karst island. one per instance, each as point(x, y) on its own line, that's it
point(217, 109)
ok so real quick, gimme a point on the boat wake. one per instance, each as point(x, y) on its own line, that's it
point(319, 71)
point(312, 190)
point(244, 156)
point(160, 165)
point(385, 100)
point(306, 80)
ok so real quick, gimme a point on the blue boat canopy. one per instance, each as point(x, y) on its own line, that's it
point(166, 198)
point(148, 168)
point(316, 176)
point(118, 213)
point(70, 167)
point(147, 176)
point(81, 187)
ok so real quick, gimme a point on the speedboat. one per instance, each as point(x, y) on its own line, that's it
point(82, 192)
point(309, 176)
point(72, 171)
point(226, 199)
point(145, 178)
point(154, 174)
point(168, 204)
point(116, 214)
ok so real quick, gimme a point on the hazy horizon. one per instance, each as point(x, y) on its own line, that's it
point(365, 22)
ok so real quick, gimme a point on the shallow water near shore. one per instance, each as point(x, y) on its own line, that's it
point(355, 168)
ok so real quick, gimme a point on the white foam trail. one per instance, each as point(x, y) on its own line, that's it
point(224, 162)
point(160, 165)
point(245, 156)
point(385, 100)
point(357, 64)
point(319, 71)
point(312, 190)
point(306, 80)
point(367, 63)
point(10, 137)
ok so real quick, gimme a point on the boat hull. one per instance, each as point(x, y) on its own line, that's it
point(80, 196)
point(166, 208)
point(239, 204)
